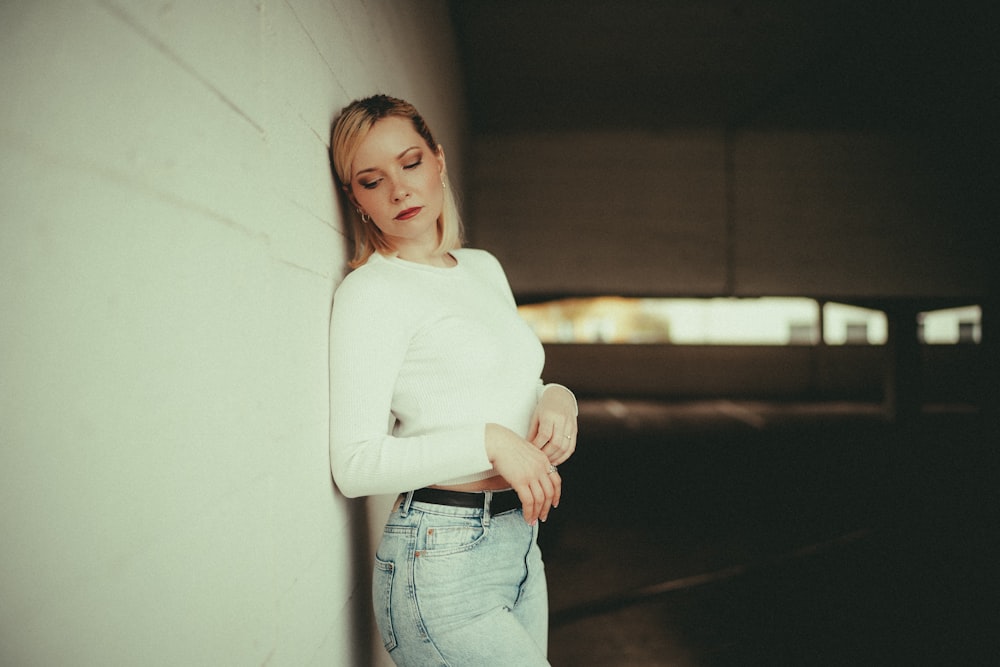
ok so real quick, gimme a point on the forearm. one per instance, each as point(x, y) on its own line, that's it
point(387, 464)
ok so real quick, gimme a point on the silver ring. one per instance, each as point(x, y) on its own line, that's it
point(553, 469)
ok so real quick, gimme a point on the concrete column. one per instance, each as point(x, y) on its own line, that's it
point(989, 397)
point(903, 383)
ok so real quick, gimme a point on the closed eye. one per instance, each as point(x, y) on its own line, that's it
point(370, 185)
point(413, 165)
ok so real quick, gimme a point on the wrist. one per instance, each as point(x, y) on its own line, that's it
point(562, 397)
point(491, 440)
point(498, 438)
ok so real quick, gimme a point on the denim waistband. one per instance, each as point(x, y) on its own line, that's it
point(405, 503)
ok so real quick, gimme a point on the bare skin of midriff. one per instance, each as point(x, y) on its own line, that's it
point(496, 483)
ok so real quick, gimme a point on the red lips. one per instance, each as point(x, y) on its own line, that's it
point(408, 213)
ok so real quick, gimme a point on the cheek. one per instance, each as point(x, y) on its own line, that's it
point(433, 185)
point(365, 200)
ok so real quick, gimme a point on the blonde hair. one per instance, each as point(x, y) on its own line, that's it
point(348, 132)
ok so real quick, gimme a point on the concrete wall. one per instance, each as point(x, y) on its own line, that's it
point(169, 243)
point(696, 212)
point(948, 373)
point(603, 213)
point(854, 214)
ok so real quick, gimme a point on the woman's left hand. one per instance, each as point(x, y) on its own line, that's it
point(553, 426)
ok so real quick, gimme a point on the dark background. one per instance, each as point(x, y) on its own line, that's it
point(739, 506)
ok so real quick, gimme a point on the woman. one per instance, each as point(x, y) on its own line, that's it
point(436, 395)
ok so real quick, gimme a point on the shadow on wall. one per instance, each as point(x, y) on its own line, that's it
point(361, 553)
point(340, 204)
point(362, 627)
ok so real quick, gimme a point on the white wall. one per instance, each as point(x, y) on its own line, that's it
point(169, 243)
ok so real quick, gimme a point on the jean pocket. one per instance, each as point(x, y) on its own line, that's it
point(382, 579)
point(445, 539)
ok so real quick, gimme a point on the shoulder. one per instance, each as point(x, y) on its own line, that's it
point(366, 291)
point(486, 270)
point(371, 277)
point(371, 306)
point(478, 260)
point(475, 256)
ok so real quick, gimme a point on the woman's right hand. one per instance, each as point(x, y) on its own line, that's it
point(526, 469)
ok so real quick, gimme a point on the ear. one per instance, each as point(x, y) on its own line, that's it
point(350, 197)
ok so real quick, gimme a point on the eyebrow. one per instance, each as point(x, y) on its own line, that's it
point(398, 157)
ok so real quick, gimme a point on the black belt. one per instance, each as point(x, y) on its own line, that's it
point(503, 501)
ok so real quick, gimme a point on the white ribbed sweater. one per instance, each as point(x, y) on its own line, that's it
point(421, 359)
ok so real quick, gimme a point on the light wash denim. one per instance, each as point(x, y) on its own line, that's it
point(460, 587)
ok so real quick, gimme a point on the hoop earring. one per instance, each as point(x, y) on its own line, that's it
point(365, 218)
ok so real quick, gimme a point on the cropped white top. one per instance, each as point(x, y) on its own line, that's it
point(421, 359)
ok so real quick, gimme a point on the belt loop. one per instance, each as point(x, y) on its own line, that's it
point(404, 507)
point(487, 499)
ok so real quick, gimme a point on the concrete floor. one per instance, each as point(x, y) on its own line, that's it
point(721, 534)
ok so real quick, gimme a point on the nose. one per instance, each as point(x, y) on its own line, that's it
point(399, 191)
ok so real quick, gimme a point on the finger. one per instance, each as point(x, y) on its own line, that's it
point(527, 504)
point(561, 459)
point(559, 448)
point(563, 428)
point(528, 507)
point(556, 482)
point(571, 437)
point(563, 454)
point(545, 431)
point(543, 498)
point(543, 436)
point(533, 428)
point(548, 490)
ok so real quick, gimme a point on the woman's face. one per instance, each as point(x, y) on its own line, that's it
point(397, 181)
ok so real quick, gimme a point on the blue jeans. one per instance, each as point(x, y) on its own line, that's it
point(460, 587)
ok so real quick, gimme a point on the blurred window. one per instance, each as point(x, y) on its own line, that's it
point(853, 325)
point(732, 321)
point(720, 321)
point(951, 326)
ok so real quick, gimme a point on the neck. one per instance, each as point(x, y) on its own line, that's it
point(423, 250)
point(443, 260)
